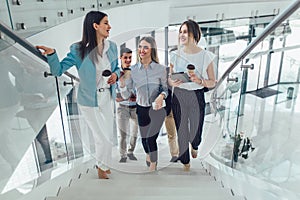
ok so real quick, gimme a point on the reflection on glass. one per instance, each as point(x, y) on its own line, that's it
point(262, 140)
point(27, 101)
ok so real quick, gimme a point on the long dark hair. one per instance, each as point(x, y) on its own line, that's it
point(193, 28)
point(89, 40)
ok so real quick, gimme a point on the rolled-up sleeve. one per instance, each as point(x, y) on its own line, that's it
point(57, 68)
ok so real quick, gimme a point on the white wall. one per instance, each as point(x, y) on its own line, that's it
point(133, 20)
point(126, 22)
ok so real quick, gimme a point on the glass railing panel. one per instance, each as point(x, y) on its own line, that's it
point(290, 65)
point(266, 134)
point(4, 12)
point(226, 116)
point(275, 69)
point(259, 61)
point(81, 136)
point(28, 100)
point(68, 111)
point(76, 149)
point(227, 54)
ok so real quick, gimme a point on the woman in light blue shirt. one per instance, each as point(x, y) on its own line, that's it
point(91, 56)
point(149, 79)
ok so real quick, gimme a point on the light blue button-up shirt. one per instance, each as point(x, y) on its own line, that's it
point(87, 91)
point(147, 82)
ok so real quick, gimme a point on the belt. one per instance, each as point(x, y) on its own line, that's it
point(101, 89)
point(133, 106)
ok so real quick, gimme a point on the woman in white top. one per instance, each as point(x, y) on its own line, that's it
point(188, 103)
point(93, 55)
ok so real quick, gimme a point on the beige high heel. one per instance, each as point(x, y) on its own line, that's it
point(194, 153)
point(102, 174)
point(148, 162)
point(186, 167)
point(153, 166)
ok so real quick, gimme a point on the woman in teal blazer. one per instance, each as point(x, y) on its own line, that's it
point(91, 56)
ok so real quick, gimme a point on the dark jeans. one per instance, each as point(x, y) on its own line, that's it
point(150, 122)
point(188, 110)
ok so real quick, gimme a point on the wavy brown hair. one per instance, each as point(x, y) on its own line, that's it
point(151, 41)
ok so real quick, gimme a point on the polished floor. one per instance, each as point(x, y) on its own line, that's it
point(272, 125)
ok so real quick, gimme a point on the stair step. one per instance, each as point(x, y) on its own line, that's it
point(159, 187)
point(180, 174)
point(148, 182)
point(138, 193)
point(186, 197)
point(169, 182)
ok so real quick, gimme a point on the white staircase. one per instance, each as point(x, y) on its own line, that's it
point(169, 182)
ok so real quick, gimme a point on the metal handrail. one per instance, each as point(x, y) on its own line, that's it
point(6, 30)
point(269, 29)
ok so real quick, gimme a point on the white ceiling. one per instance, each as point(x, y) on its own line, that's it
point(205, 10)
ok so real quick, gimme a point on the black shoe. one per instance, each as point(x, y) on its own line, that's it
point(123, 159)
point(47, 162)
point(174, 159)
point(131, 156)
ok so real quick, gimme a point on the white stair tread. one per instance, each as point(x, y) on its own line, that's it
point(169, 182)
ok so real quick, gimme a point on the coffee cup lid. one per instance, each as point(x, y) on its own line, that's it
point(190, 66)
point(106, 72)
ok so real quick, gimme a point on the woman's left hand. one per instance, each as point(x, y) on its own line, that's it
point(112, 79)
point(195, 79)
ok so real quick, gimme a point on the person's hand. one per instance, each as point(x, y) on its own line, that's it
point(122, 83)
point(195, 79)
point(45, 50)
point(159, 102)
point(119, 99)
point(174, 83)
point(112, 79)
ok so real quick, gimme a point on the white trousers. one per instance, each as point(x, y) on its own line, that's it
point(100, 120)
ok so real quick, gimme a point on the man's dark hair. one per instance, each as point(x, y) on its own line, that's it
point(125, 50)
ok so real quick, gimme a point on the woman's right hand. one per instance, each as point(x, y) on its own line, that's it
point(45, 50)
point(174, 83)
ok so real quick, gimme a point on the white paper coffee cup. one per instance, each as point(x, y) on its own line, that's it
point(106, 74)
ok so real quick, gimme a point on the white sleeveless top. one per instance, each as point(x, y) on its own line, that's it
point(200, 60)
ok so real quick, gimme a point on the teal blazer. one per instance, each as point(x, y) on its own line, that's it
point(87, 90)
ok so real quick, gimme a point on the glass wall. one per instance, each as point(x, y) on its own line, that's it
point(257, 114)
point(32, 136)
